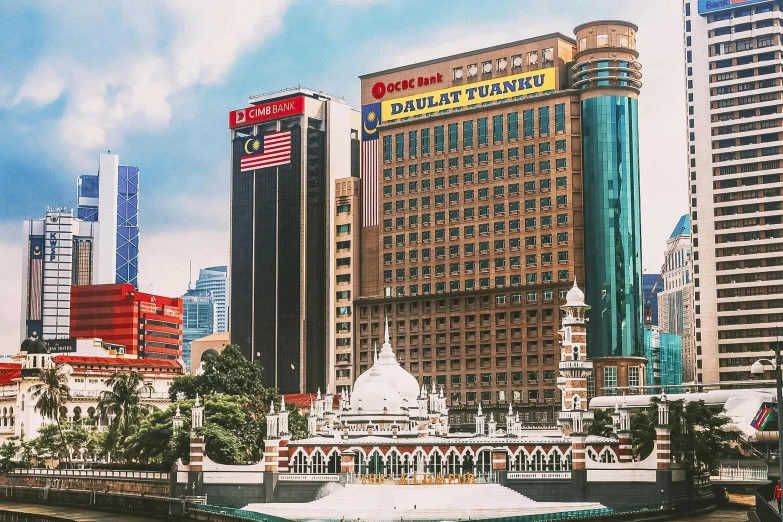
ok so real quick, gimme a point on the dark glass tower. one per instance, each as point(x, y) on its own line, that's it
point(607, 74)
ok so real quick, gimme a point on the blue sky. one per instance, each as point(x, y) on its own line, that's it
point(154, 80)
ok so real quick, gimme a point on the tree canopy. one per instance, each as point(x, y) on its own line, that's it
point(698, 435)
point(602, 424)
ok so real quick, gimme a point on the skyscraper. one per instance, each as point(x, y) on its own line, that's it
point(607, 75)
point(474, 226)
point(112, 197)
point(288, 148)
point(61, 252)
point(198, 319)
point(215, 281)
point(675, 300)
point(734, 99)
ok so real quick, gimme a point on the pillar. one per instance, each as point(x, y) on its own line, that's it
point(579, 466)
point(663, 473)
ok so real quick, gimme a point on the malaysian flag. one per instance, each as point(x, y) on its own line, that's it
point(371, 117)
point(36, 278)
point(266, 151)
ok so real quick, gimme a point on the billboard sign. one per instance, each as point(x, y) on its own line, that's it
point(471, 94)
point(710, 6)
point(266, 112)
point(61, 345)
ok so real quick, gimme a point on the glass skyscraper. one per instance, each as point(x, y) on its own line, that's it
point(214, 279)
point(198, 319)
point(608, 74)
point(119, 245)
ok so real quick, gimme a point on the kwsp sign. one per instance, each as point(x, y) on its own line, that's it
point(426, 479)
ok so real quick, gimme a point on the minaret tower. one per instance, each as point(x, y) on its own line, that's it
point(574, 366)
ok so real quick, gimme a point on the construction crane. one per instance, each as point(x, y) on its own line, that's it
point(669, 253)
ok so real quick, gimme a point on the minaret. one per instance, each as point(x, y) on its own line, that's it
point(479, 421)
point(574, 366)
point(197, 443)
point(663, 473)
point(492, 425)
point(625, 451)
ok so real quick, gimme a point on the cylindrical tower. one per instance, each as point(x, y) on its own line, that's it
point(608, 75)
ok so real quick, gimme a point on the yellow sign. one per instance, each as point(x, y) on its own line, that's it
point(464, 95)
point(415, 479)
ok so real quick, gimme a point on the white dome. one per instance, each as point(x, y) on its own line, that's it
point(575, 296)
point(375, 394)
point(390, 372)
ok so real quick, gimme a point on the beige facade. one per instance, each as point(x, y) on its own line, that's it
point(347, 221)
point(615, 372)
point(214, 343)
point(480, 230)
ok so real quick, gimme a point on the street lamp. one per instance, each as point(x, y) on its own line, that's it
point(757, 368)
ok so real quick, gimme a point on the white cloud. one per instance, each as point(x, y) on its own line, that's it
point(137, 87)
point(11, 244)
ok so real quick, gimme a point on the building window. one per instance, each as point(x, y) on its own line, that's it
point(413, 143)
point(467, 134)
point(399, 147)
point(610, 379)
point(543, 120)
point(483, 132)
point(343, 229)
point(387, 148)
point(633, 376)
point(560, 117)
point(453, 136)
point(513, 126)
point(425, 147)
point(528, 125)
point(439, 139)
point(497, 128)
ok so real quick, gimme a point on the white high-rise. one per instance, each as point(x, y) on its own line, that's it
point(215, 280)
point(675, 300)
point(734, 102)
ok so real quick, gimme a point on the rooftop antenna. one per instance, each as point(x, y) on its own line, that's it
point(190, 273)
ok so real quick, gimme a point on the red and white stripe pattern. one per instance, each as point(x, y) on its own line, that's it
point(36, 289)
point(370, 183)
point(276, 151)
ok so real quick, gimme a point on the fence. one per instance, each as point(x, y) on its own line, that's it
point(741, 474)
point(92, 473)
point(764, 504)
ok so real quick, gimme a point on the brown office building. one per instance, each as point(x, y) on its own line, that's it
point(472, 228)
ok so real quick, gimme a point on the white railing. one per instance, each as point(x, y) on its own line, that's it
point(537, 475)
point(745, 474)
point(96, 394)
point(318, 477)
point(93, 473)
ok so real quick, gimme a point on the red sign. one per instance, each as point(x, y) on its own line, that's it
point(380, 88)
point(266, 111)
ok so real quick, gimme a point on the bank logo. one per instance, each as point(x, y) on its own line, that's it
point(240, 116)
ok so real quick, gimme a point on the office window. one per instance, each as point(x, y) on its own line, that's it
point(467, 133)
point(439, 139)
point(543, 120)
point(399, 147)
point(528, 125)
point(560, 117)
point(425, 147)
point(483, 132)
point(610, 379)
point(453, 136)
point(513, 126)
point(413, 144)
point(387, 148)
point(497, 128)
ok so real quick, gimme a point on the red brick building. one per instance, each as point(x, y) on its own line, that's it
point(147, 325)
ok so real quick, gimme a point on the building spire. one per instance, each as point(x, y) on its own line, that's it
point(374, 352)
point(190, 273)
point(386, 331)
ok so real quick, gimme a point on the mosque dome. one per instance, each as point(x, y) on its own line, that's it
point(575, 296)
point(390, 372)
point(375, 394)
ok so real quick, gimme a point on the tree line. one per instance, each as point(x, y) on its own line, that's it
point(230, 389)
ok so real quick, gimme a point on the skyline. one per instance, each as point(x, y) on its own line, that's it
point(185, 82)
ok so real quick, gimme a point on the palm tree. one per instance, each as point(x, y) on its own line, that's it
point(51, 394)
point(123, 401)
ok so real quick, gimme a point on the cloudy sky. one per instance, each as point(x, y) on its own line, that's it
point(154, 80)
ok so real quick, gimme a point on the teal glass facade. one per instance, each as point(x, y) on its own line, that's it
point(612, 228)
point(664, 363)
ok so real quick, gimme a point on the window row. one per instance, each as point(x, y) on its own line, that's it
point(531, 260)
point(472, 133)
point(413, 221)
point(469, 178)
point(470, 284)
point(544, 203)
point(499, 227)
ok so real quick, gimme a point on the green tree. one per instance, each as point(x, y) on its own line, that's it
point(698, 435)
point(123, 401)
point(233, 435)
point(602, 425)
point(297, 423)
point(227, 373)
point(50, 395)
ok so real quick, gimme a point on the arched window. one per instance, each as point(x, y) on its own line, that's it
point(484, 462)
point(317, 462)
point(63, 412)
point(334, 463)
point(393, 464)
point(375, 466)
point(77, 413)
point(538, 461)
point(453, 464)
point(299, 463)
point(435, 463)
point(577, 401)
point(359, 463)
